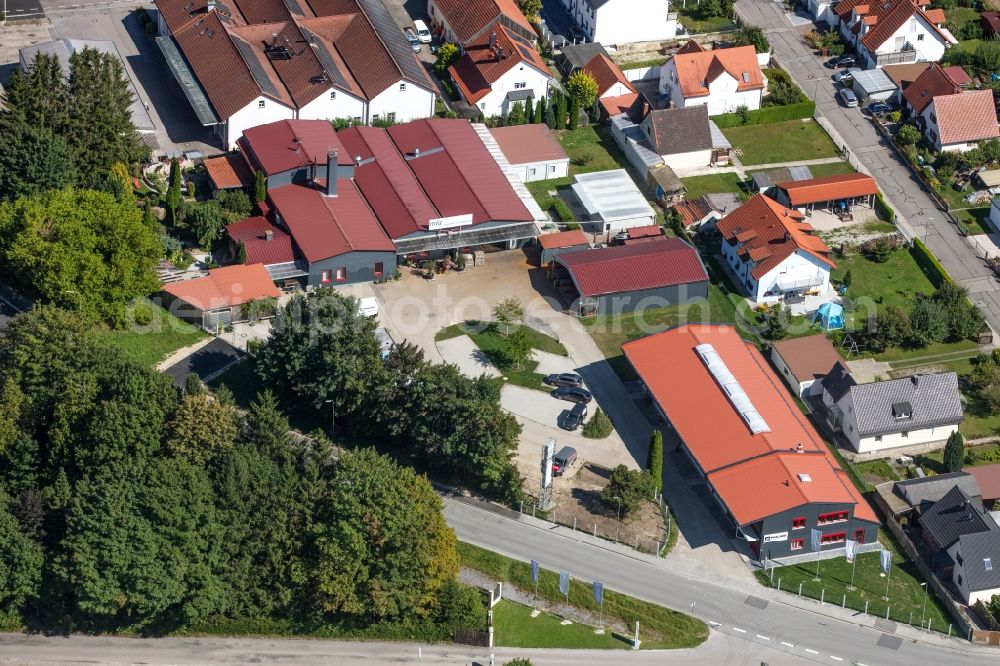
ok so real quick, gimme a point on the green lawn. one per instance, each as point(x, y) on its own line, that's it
point(975, 456)
point(880, 285)
point(515, 627)
point(959, 16)
point(831, 169)
point(589, 149)
point(875, 472)
point(905, 593)
point(787, 141)
point(661, 627)
point(693, 23)
point(699, 186)
point(488, 338)
point(151, 343)
point(967, 45)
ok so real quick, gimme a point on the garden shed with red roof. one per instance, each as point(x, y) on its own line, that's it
point(620, 279)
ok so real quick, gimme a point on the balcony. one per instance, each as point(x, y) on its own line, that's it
point(908, 54)
point(799, 281)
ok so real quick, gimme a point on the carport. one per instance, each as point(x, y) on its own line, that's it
point(872, 85)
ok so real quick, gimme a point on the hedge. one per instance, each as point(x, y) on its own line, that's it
point(768, 115)
point(929, 264)
point(883, 209)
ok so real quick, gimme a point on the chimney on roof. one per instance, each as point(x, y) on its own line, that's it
point(357, 160)
point(493, 39)
point(268, 235)
point(799, 448)
point(416, 152)
point(274, 39)
point(210, 5)
point(331, 172)
point(915, 379)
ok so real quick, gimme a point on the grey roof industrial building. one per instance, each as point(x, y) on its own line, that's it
point(612, 200)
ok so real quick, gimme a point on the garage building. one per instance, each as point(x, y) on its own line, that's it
point(612, 201)
point(532, 151)
point(562, 242)
point(626, 278)
point(873, 85)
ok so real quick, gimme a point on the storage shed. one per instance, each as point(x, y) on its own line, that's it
point(873, 85)
point(560, 242)
point(627, 278)
point(612, 201)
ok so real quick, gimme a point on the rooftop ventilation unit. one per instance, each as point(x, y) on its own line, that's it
point(734, 392)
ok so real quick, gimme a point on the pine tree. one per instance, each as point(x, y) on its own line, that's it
point(574, 113)
point(173, 201)
point(540, 111)
point(529, 107)
point(259, 187)
point(654, 461)
point(954, 452)
point(561, 112)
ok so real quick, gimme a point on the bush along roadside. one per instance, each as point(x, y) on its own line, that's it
point(883, 209)
point(929, 264)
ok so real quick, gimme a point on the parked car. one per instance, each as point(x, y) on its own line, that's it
point(423, 34)
point(619, 238)
point(878, 108)
point(573, 394)
point(575, 417)
point(564, 379)
point(847, 97)
point(845, 76)
point(841, 61)
point(412, 38)
point(566, 456)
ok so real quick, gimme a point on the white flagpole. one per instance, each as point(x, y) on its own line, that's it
point(854, 567)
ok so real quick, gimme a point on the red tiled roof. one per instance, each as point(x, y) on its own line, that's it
point(966, 118)
point(229, 171)
point(691, 46)
point(696, 70)
point(526, 144)
point(391, 188)
point(991, 20)
point(563, 239)
point(301, 75)
point(755, 475)
point(252, 232)
point(932, 82)
point(287, 144)
point(615, 270)
point(468, 18)
point(647, 231)
point(693, 210)
point(988, 479)
point(462, 178)
point(809, 357)
point(935, 16)
point(614, 106)
point(479, 68)
point(893, 15)
point(905, 74)
point(958, 74)
point(828, 188)
point(225, 287)
point(768, 233)
point(606, 73)
point(325, 227)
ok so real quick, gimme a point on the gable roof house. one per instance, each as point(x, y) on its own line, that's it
point(899, 412)
point(463, 22)
point(887, 32)
point(955, 121)
point(221, 296)
point(243, 63)
point(614, 22)
point(720, 79)
point(498, 69)
point(615, 93)
point(772, 251)
point(976, 573)
point(774, 479)
point(803, 362)
point(685, 138)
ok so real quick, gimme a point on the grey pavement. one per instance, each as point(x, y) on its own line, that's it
point(207, 362)
point(903, 192)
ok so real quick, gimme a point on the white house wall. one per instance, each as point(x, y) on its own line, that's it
point(922, 36)
point(723, 97)
point(535, 81)
point(798, 265)
point(625, 21)
point(960, 578)
point(341, 105)
point(532, 171)
point(849, 424)
point(617, 90)
point(820, 10)
point(685, 161)
point(413, 103)
point(252, 115)
point(798, 388)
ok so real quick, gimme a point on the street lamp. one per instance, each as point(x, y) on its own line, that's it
point(333, 415)
point(618, 520)
point(924, 609)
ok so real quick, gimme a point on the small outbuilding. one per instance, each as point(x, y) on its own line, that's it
point(804, 361)
point(560, 242)
point(533, 151)
point(873, 85)
point(612, 201)
point(627, 278)
point(840, 192)
point(229, 172)
point(220, 298)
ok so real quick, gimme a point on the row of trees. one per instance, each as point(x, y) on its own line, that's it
point(947, 316)
point(322, 350)
point(128, 505)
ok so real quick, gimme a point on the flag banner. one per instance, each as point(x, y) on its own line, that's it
point(598, 593)
point(886, 561)
point(850, 549)
point(564, 582)
point(816, 539)
point(534, 572)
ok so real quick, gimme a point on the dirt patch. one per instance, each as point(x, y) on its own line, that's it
point(578, 497)
point(930, 369)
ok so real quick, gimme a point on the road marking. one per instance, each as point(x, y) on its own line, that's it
point(742, 631)
point(811, 651)
point(787, 644)
point(836, 658)
point(763, 637)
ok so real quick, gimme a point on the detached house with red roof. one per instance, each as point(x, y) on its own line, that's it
point(772, 251)
point(887, 32)
point(615, 93)
point(950, 117)
point(243, 63)
point(765, 466)
point(721, 79)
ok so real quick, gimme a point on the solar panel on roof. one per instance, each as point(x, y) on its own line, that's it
point(518, 38)
point(390, 34)
point(256, 68)
point(293, 7)
point(325, 58)
point(525, 51)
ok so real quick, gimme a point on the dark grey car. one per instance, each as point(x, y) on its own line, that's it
point(573, 394)
point(564, 379)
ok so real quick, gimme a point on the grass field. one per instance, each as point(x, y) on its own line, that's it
point(693, 23)
point(487, 337)
point(589, 149)
point(515, 627)
point(906, 595)
point(787, 141)
point(662, 628)
point(151, 343)
point(699, 186)
point(893, 282)
point(831, 169)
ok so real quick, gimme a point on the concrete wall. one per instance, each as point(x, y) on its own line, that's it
point(360, 268)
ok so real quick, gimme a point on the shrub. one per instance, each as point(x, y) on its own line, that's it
point(894, 116)
point(929, 322)
point(883, 250)
point(654, 461)
point(883, 209)
point(908, 135)
point(954, 452)
point(460, 607)
point(599, 426)
point(929, 264)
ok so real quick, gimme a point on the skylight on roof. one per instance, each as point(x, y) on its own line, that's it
point(746, 77)
point(731, 387)
point(988, 563)
point(805, 478)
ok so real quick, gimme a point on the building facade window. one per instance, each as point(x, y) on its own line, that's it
point(391, 116)
point(402, 87)
point(519, 85)
point(341, 274)
point(379, 268)
point(797, 544)
point(836, 537)
point(859, 536)
point(325, 277)
point(260, 104)
point(798, 523)
point(333, 94)
point(834, 517)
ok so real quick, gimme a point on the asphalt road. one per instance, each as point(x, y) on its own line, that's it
point(206, 362)
point(23, 9)
point(784, 623)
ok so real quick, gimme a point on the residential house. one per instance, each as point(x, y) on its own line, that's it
point(839, 193)
point(803, 362)
point(988, 478)
point(772, 252)
point(991, 24)
point(250, 62)
point(682, 137)
point(221, 297)
point(623, 21)
point(499, 69)
point(463, 22)
point(721, 79)
point(615, 93)
point(977, 566)
point(900, 412)
point(886, 32)
point(774, 479)
point(907, 499)
point(822, 11)
point(572, 57)
point(960, 122)
point(532, 151)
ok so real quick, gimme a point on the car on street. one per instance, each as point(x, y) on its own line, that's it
point(573, 394)
point(423, 34)
point(412, 38)
point(847, 97)
point(878, 108)
point(840, 61)
point(567, 454)
point(845, 76)
point(564, 379)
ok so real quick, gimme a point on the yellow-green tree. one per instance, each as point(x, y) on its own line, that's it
point(582, 86)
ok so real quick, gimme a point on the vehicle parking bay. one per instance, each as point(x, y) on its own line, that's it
point(534, 405)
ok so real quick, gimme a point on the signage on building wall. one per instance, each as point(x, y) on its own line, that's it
point(777, 536)
point(437, 223)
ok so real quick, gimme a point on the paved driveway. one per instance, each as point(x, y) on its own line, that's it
point(206, 362)
point(469, 358)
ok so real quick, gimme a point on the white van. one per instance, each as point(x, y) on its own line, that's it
point(423, 34)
